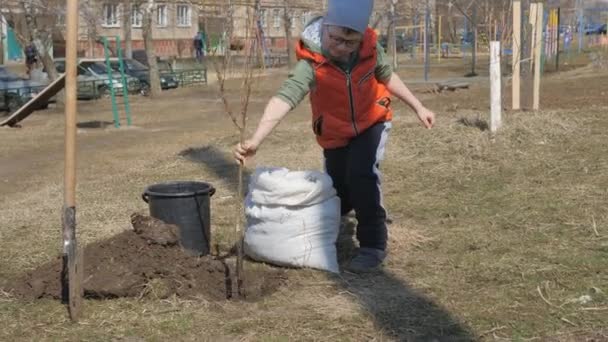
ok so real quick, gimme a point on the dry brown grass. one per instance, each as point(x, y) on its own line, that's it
point(484, 224)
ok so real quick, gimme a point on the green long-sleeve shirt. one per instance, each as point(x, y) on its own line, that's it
point(302, 77)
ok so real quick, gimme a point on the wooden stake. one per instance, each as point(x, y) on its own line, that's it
point(70, 247)
point(496, 85)
point(439, 39)
point(559, 19)
point(516, 54)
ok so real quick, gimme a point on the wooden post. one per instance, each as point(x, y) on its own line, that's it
point(496, 85)
point(526, 61)
point(516, 54)
point(474, 45)
point(73, 268)
point(538, 29)
point(439, 39)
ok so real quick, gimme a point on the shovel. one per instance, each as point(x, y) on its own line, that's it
point(72, 258)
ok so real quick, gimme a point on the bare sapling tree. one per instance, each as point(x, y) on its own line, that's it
point(89, 15)
point(148, 15)
point(288, 24)
point(239, 119)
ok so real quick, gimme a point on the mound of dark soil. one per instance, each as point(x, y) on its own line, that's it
point(147, 261)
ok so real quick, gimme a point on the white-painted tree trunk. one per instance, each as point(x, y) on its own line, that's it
point(496, 85)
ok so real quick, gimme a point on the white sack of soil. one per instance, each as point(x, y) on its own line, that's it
point(293, 219)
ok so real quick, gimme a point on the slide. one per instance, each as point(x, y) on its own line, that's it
point(30, 106)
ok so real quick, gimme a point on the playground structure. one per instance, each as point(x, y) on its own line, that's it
point(28, 108)
point(123, 80)
point(427, 39)
point(57, 85)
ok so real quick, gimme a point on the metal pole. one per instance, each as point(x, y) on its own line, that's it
point(559, 21)
point(581, 26)
point(415, 36)
point(474, 46)
point(111, 83)
point(123, 78)
point(427, 55)
point(464, 38)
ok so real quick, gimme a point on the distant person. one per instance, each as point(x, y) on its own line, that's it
point(31, 57)
point(568, 39)
point(199, 46)
point(445, 50)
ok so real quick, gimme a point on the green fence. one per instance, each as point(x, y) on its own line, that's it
point(190, 77)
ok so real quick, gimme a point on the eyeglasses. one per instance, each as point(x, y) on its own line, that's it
point(349, 43)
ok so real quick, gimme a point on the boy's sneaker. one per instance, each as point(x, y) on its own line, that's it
point(366, 260)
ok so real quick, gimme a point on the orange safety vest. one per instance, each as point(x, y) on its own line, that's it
point(346, 104)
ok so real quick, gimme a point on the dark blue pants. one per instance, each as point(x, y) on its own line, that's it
point(354, 170)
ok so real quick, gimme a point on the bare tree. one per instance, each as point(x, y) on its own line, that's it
point(148, 16)
point(288, 14)
point(127, 15)
point(33, 23)
point(42, 38)
point(89, 14)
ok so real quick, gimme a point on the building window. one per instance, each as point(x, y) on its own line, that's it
point(136, 16)
point(276, 18)
point(161, 16)
point(110, 15)
point(184, 17)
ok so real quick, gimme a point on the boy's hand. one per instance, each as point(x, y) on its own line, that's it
point(426, 116)
point(245, 150)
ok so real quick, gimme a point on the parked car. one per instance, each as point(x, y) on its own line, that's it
point(93, 79)
point(592, 29)
point(16, 91)
point(133, 68)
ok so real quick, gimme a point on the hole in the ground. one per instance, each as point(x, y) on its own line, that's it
point(476, 123)
point(94, 124)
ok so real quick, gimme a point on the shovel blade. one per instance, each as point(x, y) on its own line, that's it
point(75, 270)
point(74, 260)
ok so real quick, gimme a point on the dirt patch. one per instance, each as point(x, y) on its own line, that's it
point(148, 262)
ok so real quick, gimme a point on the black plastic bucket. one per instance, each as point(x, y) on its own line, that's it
point(187, 205)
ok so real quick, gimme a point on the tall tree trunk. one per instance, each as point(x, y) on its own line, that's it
point(88, 14)
point(377, 21)
point(391, 43)
point(127, 28)
point(287, 22)
point(149, 47)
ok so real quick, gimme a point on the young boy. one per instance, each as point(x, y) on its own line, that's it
point(345, 71)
